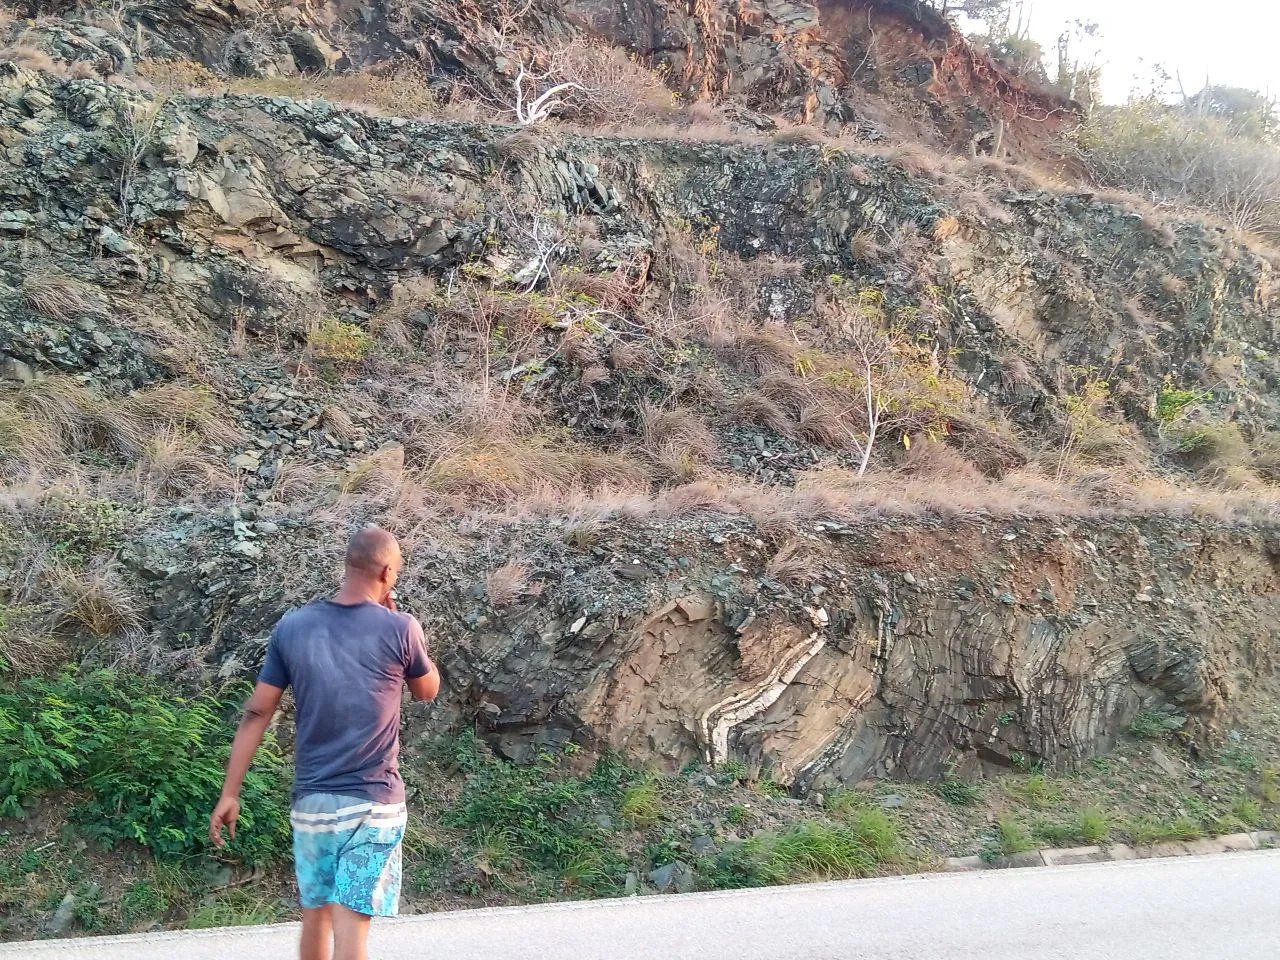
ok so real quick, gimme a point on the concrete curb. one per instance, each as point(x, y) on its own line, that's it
point(1053, 857)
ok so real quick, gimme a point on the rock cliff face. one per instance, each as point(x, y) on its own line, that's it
point(200, 239)
point(986, 646)
point(835, 64)
point(244, 206)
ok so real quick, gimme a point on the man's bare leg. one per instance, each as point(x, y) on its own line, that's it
point(317, 933)
point(350, 934)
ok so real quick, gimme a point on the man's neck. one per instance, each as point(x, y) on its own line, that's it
point(350, 594)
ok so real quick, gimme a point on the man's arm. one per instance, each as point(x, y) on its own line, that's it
point(427, 686)
point(258, 711)
point(421, 676)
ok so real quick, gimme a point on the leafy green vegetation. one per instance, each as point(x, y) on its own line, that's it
point(1149, 830)
point(1172, 403)
point(233, 908)
point(551, 823)
point(150, 762)
point(1088, 826)
point(1240, 757)
point(1152, 725)
point(83, 527)
point(641, 805)
point(958, 793)
point(142, 900)
point(1013, 838)
point(1036, 791)
point(812, 850)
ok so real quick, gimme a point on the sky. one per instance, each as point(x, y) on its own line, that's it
point(1232, 41)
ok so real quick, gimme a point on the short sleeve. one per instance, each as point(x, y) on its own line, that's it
point(274, 672)
point(416, 662)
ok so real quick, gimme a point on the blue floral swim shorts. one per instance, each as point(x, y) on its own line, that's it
point(347, 850)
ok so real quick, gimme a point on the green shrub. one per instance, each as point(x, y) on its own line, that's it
point(1093, 826)
point(83, 527)
point(339, 342)
point(1149, 830)
point(1152, 725)
point(1014, 837)
point(812, 850)
point(1172, 403)
point(737, 815)
point(843, 802)
point(1185, 157)
point(552, 822)
point(150, 762)
point(1036, 791)
point(958, 793)
point(1089, 826)
point(641, 805)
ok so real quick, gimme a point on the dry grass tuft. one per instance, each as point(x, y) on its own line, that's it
point(469, 471)
point(1266, 457)
point(95, 599)
point(55, 416)
point(794, 564)
point(57, 296)
point(763, 350)
point(677, 440)
point(507, 584)
point(174, 463)
point(380, 474)
point(755, 407)
point(303, 485)
point(338, 423)
point(935, 460)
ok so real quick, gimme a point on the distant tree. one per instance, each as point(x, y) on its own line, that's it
point(1247, 113)
point(1008, 37)
point(1079, 76)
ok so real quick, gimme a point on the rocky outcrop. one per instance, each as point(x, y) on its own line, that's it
point(923, 649)
point(240, 206)
point(811, 61)
point(904, 648)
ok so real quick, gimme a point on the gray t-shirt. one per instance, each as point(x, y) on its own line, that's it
point(347, 665)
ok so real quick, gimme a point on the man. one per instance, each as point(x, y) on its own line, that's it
point(346, 659)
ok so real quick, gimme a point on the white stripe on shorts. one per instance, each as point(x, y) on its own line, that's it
point(361, 809)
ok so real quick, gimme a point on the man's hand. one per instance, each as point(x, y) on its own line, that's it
point(226, 813)
point(389, 601)
point(257, 717)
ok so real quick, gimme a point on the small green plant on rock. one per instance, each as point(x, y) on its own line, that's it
point(339, 342)
point(1239, 757)
point(732, 771)
point(1153, 725)
point(957, 792)
point(641, 805)
point(811, 850)
point(1036, 791)
point(1171, 404)
point(1150, 830)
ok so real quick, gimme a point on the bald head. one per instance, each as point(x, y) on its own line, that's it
point(373, 554)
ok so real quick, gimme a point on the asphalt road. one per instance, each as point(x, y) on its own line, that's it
point(1197, 908)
